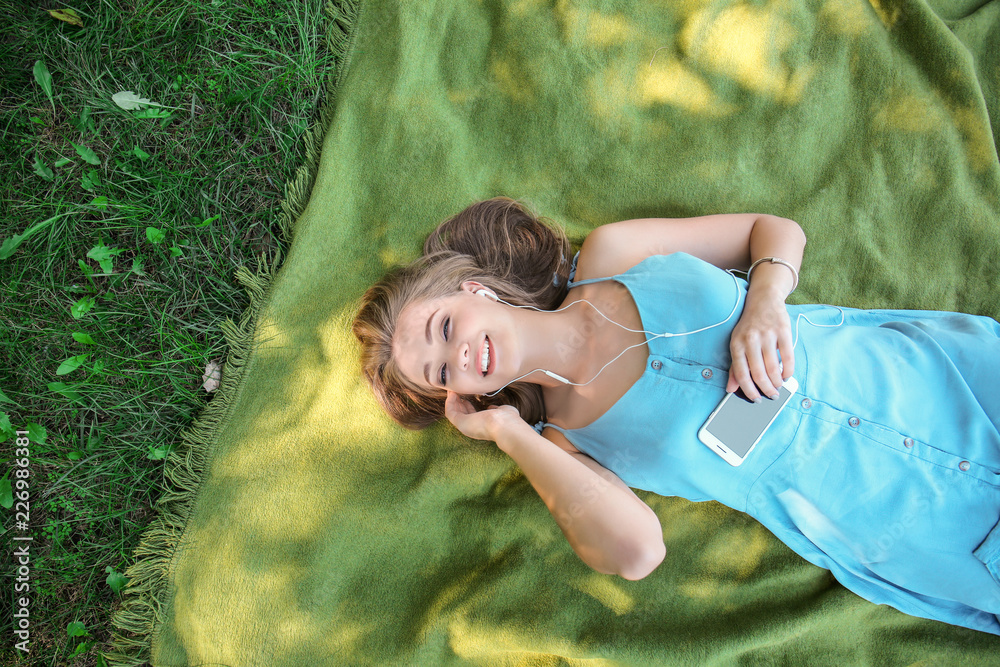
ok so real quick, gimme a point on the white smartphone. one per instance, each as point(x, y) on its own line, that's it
point(736, 426)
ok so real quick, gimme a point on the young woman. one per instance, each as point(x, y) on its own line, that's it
point(885, 468)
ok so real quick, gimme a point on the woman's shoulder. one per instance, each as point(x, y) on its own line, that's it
point(602, 254)
point(720, 240)
point(615, 248)
point(610, 254)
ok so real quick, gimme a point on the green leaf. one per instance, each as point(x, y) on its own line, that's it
point(152, 113)
point(84, 123)
point(63, 161)
point(10, 245)
point(175, 251)
point(81, 337)
point(44, 79)
point(141, 154)
point(209, 221)
point(71, 364)
point(42, 170)
point(90, 180)
point(6, 493)
point(159, 453)
point(82, 307)
point(5, 426)
point(115, 580)
point(100, 202)
point(154, 235)
point(87, 154)
point(36, 433)
point(87, 121)
point(137, 265)
point(100, 660)
point(5, 399)
point(65, 390)
point(103, 255)
point(85, 268)
point(74, 456)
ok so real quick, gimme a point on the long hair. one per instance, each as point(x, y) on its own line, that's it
point(496, 242)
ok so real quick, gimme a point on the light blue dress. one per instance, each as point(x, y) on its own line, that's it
point(885, 466)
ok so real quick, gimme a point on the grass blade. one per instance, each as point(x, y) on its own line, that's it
point(10, 245)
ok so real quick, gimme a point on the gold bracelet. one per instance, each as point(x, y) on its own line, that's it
point(776, 260)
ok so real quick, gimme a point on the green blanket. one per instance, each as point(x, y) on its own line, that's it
point(305, 528)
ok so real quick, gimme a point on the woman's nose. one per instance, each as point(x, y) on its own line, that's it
point(462, 356)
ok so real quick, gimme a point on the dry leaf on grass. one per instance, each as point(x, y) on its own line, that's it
point(210, 380)
point(68, 15)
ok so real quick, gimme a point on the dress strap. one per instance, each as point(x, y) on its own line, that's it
point(540, 426)
point(572, 274)
point(572, 269)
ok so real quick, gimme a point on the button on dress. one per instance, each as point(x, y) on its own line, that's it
point(884, 469)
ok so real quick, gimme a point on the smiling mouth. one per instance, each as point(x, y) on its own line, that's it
point(485, 359)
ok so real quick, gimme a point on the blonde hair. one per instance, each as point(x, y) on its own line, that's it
point(497, 242)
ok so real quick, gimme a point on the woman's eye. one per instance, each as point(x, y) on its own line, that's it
point(442, 375)
point(447, 325)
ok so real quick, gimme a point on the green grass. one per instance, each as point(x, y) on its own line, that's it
point(242, 80)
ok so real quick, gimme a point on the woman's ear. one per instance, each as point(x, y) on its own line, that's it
point(472, 286)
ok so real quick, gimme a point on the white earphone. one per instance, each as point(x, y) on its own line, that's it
point(488, 294)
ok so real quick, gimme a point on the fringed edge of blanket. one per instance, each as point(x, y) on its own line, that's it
point(149, 577)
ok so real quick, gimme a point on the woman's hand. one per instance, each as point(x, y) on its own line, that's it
point(764, 330)
point(480, 424)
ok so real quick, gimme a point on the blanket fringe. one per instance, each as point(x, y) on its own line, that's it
point(141, 611)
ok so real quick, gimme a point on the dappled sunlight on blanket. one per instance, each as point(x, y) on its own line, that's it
point(847, 17)
point(909, 112)
point(485, 643)
point(269, 590)
point(607, 590)
point(592, 27)
point(670, 81)
point(747, 44)
point(978, 144)
point(736, 552)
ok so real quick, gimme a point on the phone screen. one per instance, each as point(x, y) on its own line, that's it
point(740, 422)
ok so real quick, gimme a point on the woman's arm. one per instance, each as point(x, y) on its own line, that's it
point(732, 241)
point(607, 525)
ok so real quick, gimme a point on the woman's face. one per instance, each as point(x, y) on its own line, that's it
point(444, 342)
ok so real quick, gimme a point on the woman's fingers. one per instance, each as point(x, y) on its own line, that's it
point(733, 384)
point(740, 377)
point(456, 407)
point(787, 351)
point(462, 414)
point(473, 423)
point(759, 373)
point(757, 370)
point(762, 350)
